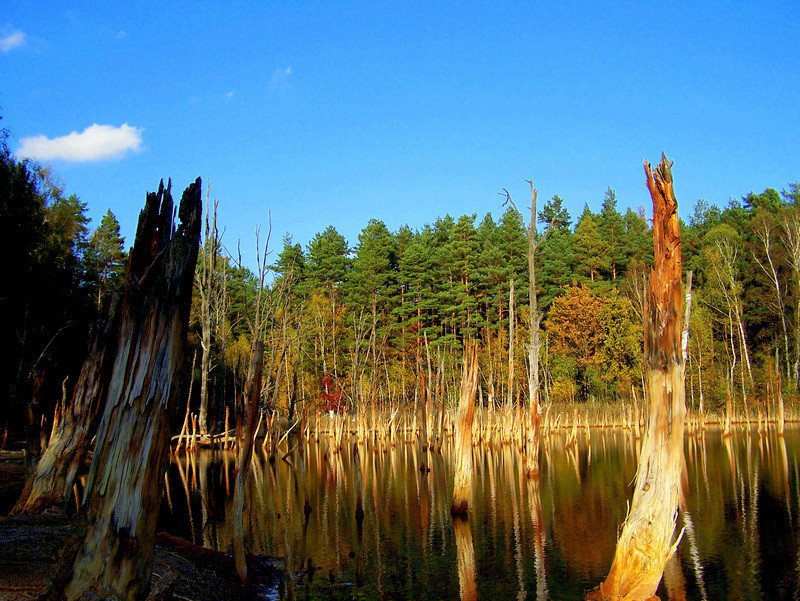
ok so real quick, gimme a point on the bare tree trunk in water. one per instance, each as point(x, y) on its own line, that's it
point(208, 289)
point(252, 395)
point(114, 539)
point(510, 391)
point(647, 542)
point(55, 473)
point(534, 344)
point(462, 447)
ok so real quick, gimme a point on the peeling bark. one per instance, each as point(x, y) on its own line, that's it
point(647, 539)
point(114, 540)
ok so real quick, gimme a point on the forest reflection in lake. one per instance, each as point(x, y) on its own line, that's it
point(546, 538)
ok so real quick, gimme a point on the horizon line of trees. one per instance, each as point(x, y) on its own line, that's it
point(387, 317)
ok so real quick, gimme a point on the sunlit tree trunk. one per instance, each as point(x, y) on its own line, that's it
point(647, 539)
point(765, 234)
point(791, 240)
point(510, 391)
point(687, 313)
point(115, 536)
point(462, 446)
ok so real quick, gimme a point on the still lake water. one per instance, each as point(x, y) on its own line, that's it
point(551, 538)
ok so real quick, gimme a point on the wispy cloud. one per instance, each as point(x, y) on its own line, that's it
point(281, 77)
point(13, 40)
point(95, 143)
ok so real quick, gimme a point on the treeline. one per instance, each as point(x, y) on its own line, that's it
point(57, 277)
point(383, 320)
point(387, 317)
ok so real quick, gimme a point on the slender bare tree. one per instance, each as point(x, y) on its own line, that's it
point(208, 288)
point(534, 324)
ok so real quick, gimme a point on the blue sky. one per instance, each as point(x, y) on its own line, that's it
point(332, 113)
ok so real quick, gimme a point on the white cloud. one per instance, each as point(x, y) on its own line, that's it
point(13, 40)
point(95, 143)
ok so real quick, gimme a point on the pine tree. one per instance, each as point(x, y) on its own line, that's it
point(555, 214)
point(463, 251)
point(370, 292)
point(557, 257)
point(612, 229)
point(329, 265)
point(591, 248)
point(291, 265)
point(106, 256)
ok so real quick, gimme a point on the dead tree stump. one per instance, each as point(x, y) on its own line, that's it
point(648, 539)
point(56, 471)
point(115, 537)
point(462, 446)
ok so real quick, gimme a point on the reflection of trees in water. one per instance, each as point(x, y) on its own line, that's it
point(465, 553)
point(537, 520)
point(554, 535)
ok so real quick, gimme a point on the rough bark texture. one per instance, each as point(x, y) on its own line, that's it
point(646, 542)
point(56, 471)
point(115, 538)
point(462, 446)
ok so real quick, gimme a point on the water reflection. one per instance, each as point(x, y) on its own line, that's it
point(465, 551)
point(370, 522)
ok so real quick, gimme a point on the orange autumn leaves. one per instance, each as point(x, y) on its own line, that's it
point(595, 343)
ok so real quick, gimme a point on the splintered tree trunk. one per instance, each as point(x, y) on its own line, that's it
point(648, 540)
point(114, 541)
point(56, 471)
point(462, 447)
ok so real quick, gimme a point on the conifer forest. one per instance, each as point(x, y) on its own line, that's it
point(373, 318)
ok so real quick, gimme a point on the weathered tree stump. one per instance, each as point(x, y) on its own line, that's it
point(462, 447)
point(115, 535)
point(56, 471)
point(647, 539)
